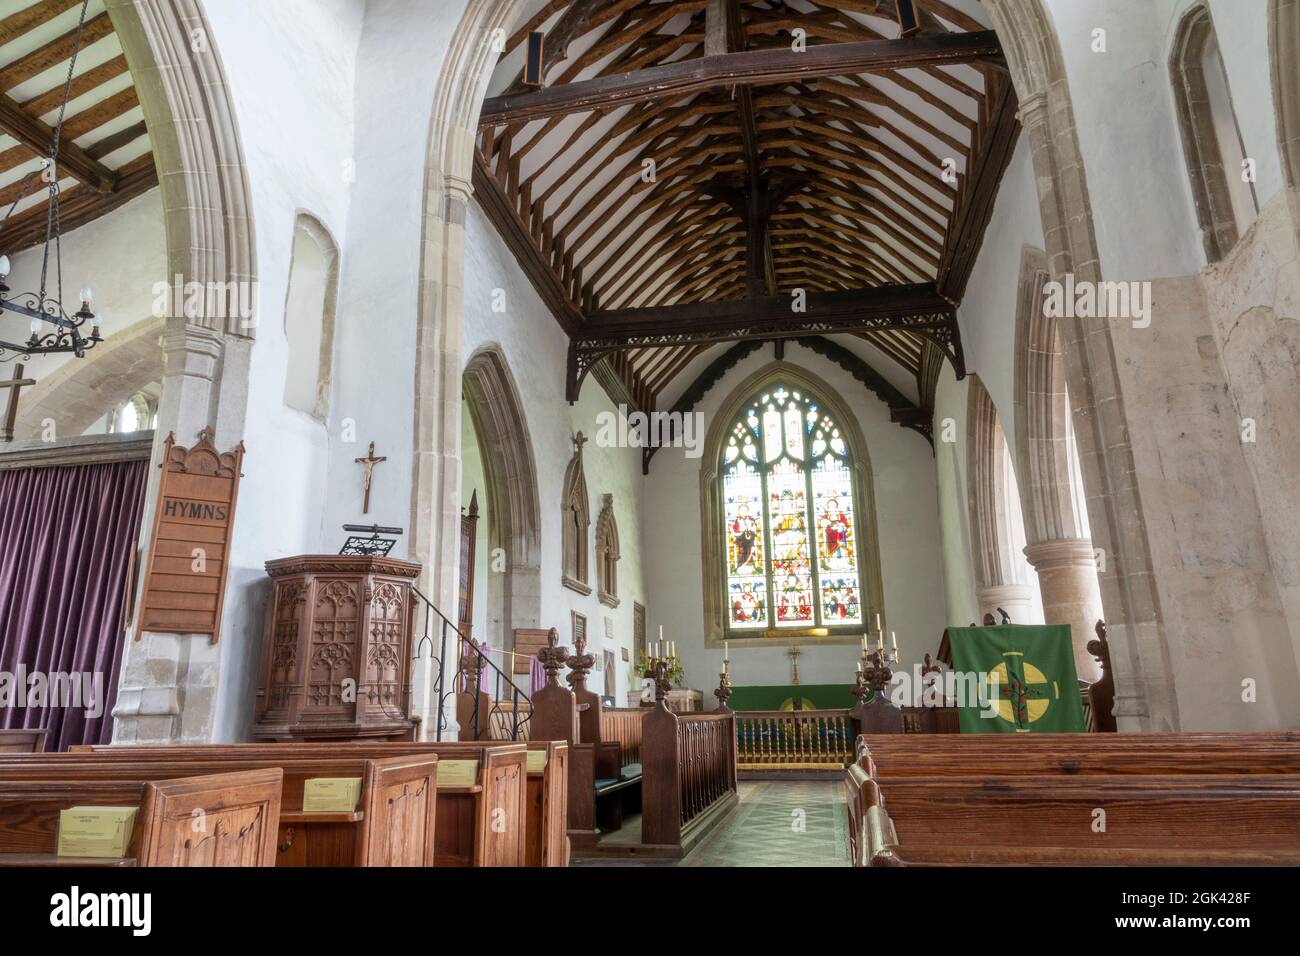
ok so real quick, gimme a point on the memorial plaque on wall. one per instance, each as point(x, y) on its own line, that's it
point(185, 577)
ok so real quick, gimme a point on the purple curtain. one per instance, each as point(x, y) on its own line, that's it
point(66, 538)
point(536, 676)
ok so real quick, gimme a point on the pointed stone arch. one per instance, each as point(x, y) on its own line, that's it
point(1144, 696)
point(513, 509)
point(1214, 179)
point(1002, 578)
point(77, 394)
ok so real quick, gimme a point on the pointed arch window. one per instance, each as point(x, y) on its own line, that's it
point(790, 524)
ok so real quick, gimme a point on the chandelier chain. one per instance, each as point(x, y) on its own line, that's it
point(53, 221)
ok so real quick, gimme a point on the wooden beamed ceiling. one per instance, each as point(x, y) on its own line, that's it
point(105, 157)
point(683, 161)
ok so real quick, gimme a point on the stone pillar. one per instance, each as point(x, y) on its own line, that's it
point(1016, 599)
point(167, 690)
point(1067, 584)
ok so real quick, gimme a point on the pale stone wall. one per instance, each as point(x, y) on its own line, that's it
point(911, 557)
point(535, 348)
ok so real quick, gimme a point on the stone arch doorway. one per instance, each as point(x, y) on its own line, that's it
point(1058, 535)
point(513, 539)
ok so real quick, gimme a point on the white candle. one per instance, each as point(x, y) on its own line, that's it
point(661, 632)
point(878, 630)
point(894, 637)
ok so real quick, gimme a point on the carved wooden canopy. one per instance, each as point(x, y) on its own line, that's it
point(688, 165)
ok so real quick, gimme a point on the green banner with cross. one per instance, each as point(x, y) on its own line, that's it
point(1027, 681)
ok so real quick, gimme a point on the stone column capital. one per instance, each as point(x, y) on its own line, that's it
point(1061, 553)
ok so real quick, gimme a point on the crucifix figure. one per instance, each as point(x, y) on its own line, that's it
point(16, 385)
point(793, 653)
point(369, 463)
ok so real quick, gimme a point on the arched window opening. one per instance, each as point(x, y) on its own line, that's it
point(791, 526)
point(309, 318)
point(139, 413)
point(1225, 199)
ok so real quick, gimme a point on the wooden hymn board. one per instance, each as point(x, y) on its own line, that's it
point(185, 576)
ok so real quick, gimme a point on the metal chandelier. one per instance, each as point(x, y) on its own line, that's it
point(52, 328)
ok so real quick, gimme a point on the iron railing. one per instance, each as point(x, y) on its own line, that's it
point(502, 723)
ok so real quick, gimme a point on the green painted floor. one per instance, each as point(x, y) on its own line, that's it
point(780, 823)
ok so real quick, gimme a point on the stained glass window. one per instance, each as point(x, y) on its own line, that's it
point(790, 527)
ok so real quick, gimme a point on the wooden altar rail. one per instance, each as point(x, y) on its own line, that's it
point(688, 775)
point(790, 740)
point(623, 724)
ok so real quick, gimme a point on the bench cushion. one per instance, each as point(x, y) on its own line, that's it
point(605, 784)
point(630, 771)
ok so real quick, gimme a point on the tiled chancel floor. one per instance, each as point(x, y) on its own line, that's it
point(780, 823)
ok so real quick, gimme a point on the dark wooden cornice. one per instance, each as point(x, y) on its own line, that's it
point(753, 67)
point(511, 228)
point(997, 136)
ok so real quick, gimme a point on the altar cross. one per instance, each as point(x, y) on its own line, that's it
point(369, 463)
point(16, 385)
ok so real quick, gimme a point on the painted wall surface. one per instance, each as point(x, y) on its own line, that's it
point(950, 463)
point(1124, 111)
point(535, 349)
point(987, 315)
point(307, 53)
point(902, 469)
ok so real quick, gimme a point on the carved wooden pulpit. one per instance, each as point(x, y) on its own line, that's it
point(336, 656)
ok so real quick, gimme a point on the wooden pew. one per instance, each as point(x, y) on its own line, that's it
point(1170, 799)
point(547, 765)
point(604, 774)
point(393, 825)
point(468, 830)
point(688, 776)
point(22, 741)
point(240, 814)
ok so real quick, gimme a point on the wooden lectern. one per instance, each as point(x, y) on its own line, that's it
point(336, 656)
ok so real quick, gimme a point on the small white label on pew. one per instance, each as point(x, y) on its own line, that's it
point(96, 831)
point(536, 761)
point(457, 773)
point(331, 794)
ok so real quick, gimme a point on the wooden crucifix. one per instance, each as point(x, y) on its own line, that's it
point(15, 385)
point(368, 463)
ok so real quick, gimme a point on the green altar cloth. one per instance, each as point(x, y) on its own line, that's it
point(782, 697)
point(1037, 686)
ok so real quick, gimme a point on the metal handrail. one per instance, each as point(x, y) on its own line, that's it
point(460, 676)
